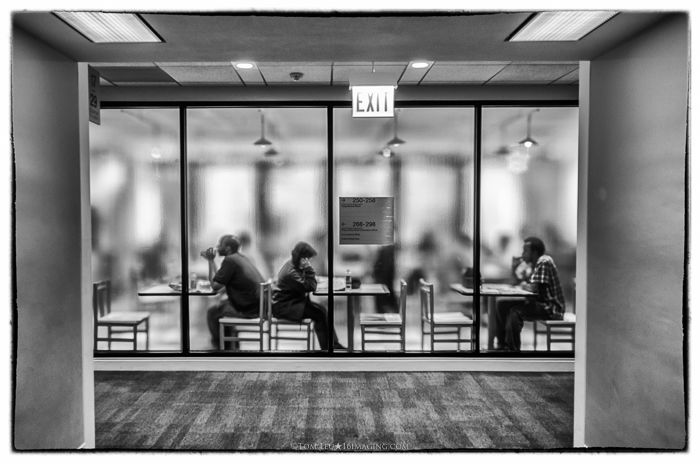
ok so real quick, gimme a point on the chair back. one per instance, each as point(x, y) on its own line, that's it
point(402, 301)
point(265, 301)
point(101, 298)
point(427, 303)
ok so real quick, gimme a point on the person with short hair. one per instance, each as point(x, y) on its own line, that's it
point(241, 279)
point(290, 299)
point(547, 305)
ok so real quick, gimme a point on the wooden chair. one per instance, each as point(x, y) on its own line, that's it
point(124, 324)
point(390, 326)
point(286, 329)
point(442, 323)
point(563, 331)
point(258, 326)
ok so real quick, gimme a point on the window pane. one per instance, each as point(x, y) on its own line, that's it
point(528, 191)
point(269, 201)
point(135, 198)
point(430, 177)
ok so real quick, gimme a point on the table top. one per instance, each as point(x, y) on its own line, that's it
point(365, 289)
point(165, 290)
point(493, 290)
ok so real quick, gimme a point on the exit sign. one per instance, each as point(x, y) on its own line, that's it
point(373, 101)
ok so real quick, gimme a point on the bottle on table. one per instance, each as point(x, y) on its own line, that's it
point(193, 282)
point(348, 280)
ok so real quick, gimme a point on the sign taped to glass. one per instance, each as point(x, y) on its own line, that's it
point(366, 220)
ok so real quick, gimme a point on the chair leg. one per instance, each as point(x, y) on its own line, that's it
point(308, 337)
point(109, 337)
point(146, 334)
point(432, 338)
point(133, 333)
point(549, 338)
point(222, 344)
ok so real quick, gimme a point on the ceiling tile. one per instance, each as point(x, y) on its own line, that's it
point(121, 74)
point(343, 71)
point(520, 73)
point(250, 76)
point(203, 74)
point(463, 72)
point(278, 73)
point(413, 75)
point(570, 78)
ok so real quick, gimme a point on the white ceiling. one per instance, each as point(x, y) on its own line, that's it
point(465, 48)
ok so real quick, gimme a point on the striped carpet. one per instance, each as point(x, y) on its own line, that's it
point(340, 411)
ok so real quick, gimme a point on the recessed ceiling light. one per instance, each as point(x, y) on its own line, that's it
point(245, 65)
point(561, 25)
point(419, 64)
point(109, 27)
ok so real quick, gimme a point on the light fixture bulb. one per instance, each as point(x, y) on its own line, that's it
point(245, 65)
point(420, 64)
point(386, 152)
point(155, 153)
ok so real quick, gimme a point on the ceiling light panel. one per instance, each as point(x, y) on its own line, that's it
point(101, 27)
point(518, 73)
point(475, 72)
point(202, 73)
point(278, 73)
point(343, 71)
point(561, 25)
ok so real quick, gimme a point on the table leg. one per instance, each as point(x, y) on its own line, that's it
point(491, 329)
point(351, 323)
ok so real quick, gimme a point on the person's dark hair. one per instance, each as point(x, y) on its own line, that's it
point(231, 241)
point(302, 250)
point(536, 245)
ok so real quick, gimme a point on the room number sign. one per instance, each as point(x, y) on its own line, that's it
point(366, 220)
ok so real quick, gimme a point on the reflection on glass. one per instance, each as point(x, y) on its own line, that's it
point(135, 195)
point(269, 199)
point(528, 188)
point(430, 176)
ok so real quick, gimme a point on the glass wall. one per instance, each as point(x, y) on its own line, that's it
point(270, 196)
point(528, 189)
point(262, 174)
point(429, 173)
point(135, 200)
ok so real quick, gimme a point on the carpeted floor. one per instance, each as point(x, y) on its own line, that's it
point(341, 411)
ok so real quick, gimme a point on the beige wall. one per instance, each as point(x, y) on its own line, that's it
point(48, 394)
point(635, 240)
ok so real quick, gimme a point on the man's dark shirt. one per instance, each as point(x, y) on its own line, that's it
point(242, 281)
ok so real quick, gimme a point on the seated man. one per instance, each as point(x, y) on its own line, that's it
point(241, 279)
point(549, 303)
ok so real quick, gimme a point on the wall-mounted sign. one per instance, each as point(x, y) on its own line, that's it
point(366, 220)
point(94, 95)
point(373, 101)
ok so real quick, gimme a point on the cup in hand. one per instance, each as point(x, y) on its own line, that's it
point(208, 253)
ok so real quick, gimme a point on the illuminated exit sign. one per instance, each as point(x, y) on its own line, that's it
point(373, 101)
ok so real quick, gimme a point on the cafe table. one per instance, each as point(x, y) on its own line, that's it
point(369, 289)
point(166, 290)
point(491, 292)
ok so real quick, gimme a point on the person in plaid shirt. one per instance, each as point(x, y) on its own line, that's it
point(549, 303)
